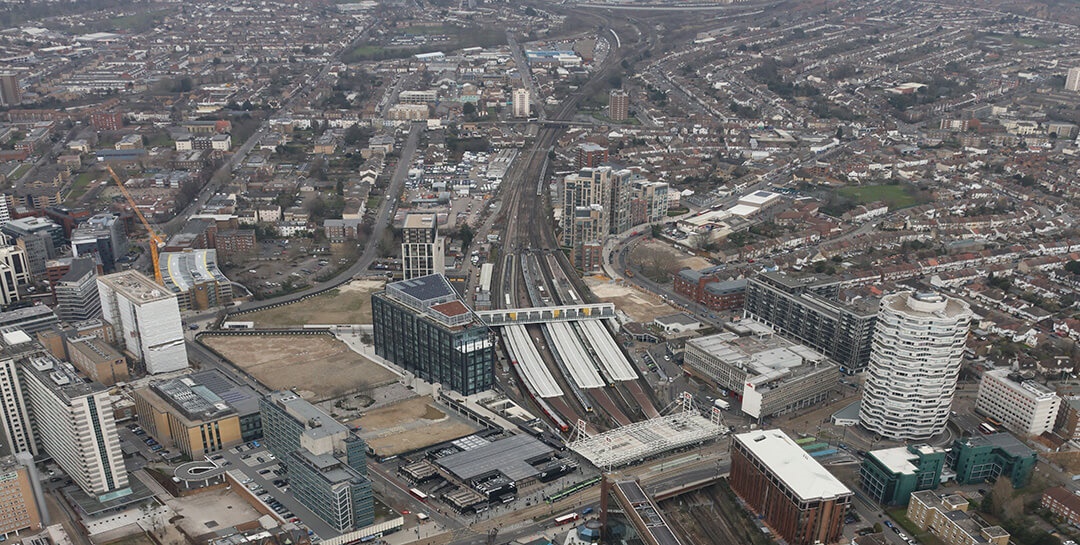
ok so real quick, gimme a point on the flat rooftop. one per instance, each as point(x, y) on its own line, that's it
point(1004, 441)
point(135, 286)
point(764, 355)
point(509, 457)
point(900, 459)
point(182, 271)
point(799, 471)
point(420, 221)
point(926, 305)
point(305, 412)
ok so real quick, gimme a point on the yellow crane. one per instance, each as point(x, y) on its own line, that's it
point(156, 242)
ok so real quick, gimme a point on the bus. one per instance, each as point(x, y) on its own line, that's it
point(566, 519)
point(994, 422)
point(418, 493)
point(986, 429)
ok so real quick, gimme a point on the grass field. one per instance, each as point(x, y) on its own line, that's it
point(349, 304)
point(319, 367)
point(78, 187)
point(22, 169)
point(896, 196)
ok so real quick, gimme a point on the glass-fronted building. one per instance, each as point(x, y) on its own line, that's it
point(324, 461)
point(423, 326)
point(891, 475)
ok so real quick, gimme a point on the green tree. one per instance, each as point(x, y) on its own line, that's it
point(466, 234)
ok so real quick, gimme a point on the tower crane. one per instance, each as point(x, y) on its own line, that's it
point(156, 242)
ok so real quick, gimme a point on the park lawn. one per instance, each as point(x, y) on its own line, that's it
point(22, 169)
point(896, 196)
point(78, 187)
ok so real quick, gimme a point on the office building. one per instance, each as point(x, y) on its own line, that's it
point(326, 464)
point(41, 238)
point(14, 271)
point(73, 419)
point(10, 94)
point(618, 105)
point(101, 236)
point(520, 103)
point(889, 476)
point(1025, 407)
point(1072, 79)
point(918, 346)
point(97, 359)
point(29, 319)
point(1063, 504)
point(947, 518)
point(183, 414)
point(979, 458)
point(787, 488)
point(805, 308)
point(1068, 419)
point(194, 277)
point(421, 246)
point(19, 497)
point(423, 326)
point(772, 376)
point(77, 292)
point(146, 319)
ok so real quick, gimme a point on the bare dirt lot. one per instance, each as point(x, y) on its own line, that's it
point(319, 367)
point(409, 425)
point(659, 261)
point(348, 304)
point(638, 305)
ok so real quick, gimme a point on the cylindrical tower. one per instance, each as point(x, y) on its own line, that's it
point(914, 363)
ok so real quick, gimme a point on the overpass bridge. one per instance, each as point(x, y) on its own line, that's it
point(546, 315)
point(636, 508)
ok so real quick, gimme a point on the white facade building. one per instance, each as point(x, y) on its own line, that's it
point(521, 102)
point(18, 435)
point(146, 318)
point(74, 423)
point(1025, 407)
point(914, 363)
point(1072, 80)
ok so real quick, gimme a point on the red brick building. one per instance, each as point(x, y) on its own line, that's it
point(792, 493)
point(706, 288)
point(1062, 503)
point(107, 121)
point(591, 155)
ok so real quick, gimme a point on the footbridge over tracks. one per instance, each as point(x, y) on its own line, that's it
point(635, 507)
point(546, 315)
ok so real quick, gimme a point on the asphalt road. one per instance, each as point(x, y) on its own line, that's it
point(382, 222)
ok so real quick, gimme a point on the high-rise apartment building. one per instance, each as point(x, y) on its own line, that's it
point(73, 419)
point(326, 464)
point(77, 292)
point(618, 105)
point(1072, 80)
point(423, 326)
point(780, 482)
point(521, 105)
point(146, 319)
point(914, 364)
point(19, 497)
point(10, 94)
point(15, 421)
point(1025, 407)
point(805, 308)
point(421, 246)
